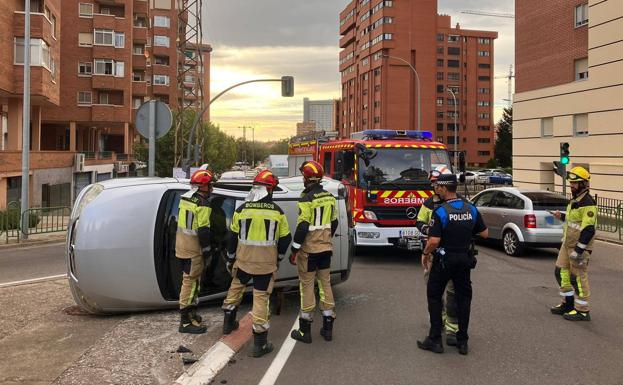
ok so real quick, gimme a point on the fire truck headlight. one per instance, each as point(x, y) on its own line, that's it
point(370, 215)
point(369, 234)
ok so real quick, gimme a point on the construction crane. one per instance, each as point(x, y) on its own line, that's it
point(509, 80)
point(493, 14)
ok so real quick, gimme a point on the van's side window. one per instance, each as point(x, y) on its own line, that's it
point(327, 163)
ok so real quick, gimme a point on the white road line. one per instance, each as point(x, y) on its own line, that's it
point(34, 280)
point(271, 375)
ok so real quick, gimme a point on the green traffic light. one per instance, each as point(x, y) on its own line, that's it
point(564, 160)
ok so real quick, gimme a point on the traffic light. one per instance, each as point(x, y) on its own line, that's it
point(564, 153)
point(287, 86)
point(560, 169)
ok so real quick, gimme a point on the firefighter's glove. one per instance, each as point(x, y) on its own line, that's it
point(229, 265)
point(293, 254)
point(578, 258)
point(424, 229)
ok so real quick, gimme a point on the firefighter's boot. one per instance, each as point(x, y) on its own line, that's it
point(229, 321)
point(564, 307)
point(327, 328)
point(575, 315)
point(303, 334)
point(261, 346)
point(188, 325)
point(194, 316)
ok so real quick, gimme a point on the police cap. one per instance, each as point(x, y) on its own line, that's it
point(447, 180)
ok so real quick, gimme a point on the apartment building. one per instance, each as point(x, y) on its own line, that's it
point(321, 112)
point(569, 84)
point(381, 40)
point(104, 59)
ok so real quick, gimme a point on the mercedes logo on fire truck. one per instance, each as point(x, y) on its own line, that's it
point(411, 213)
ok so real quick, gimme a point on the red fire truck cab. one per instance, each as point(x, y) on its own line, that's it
point(386, 173)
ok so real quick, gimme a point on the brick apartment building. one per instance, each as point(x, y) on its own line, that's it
point(568, 89)
point(94, 62)
point(380, 92)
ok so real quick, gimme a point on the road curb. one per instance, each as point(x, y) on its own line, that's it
point(22, 245)
point(218, 356)
point(608, 240)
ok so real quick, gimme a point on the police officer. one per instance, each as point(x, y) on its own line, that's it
point(312, 250)
point(192, 245)
point(450, 236)
point(577, 245)
point(259, 238)
point(423, 222)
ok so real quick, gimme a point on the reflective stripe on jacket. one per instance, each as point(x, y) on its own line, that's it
point(317, 208)
point(580, 223)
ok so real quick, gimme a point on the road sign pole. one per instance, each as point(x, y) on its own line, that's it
point(25, 194)
point(152, 138)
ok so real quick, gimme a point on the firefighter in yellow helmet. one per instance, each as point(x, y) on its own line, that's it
point(312, 250)
point(258, 241)
point(577, 246)
point(423, 221)
point(192, 246)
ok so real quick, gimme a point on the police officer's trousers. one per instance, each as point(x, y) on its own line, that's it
point(262, 288)
point(449, 307)
point(192, 269)
point(315, 267)
point(573, 278)
point(455, 268)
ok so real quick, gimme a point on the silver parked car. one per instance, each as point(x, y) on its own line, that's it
point(121, 241)
point(520, 217)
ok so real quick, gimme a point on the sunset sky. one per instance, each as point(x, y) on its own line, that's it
point(271, 38)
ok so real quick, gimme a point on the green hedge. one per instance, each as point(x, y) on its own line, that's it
point(9, 219)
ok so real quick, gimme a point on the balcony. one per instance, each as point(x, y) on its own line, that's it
point(40, 26)
point(11, 161)
point(161, 90)
point(139, 88)
point(162, 51)
point(140, 34)
point(108, 82)
point(139, 61)
point(348, 38)
point(110, 113)
point(105, 157)
point(103, 21)
point(141, 6)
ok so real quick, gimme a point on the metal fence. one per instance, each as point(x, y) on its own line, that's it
point(41, 220)
point(9, 222)
point(609, 214)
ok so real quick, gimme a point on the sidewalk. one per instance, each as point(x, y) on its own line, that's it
point(33, 240)
point(609, 237)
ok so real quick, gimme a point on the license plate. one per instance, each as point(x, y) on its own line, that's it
point(409, 233)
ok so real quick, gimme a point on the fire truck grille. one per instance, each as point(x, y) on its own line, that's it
point(392, 213)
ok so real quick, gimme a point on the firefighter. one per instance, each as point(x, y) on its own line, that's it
point(423, 221)
point(312, 250)
point(259, 239)
point(450, 236)
point(577, 245)
point(192, 246)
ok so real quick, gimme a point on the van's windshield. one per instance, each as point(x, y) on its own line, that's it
point(400, 168)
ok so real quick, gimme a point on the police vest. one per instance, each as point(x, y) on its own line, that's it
point(458, 226)
point(318, 208)
point(194, 213)
point(258, 226)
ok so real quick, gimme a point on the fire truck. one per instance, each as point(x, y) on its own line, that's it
point(386, 173)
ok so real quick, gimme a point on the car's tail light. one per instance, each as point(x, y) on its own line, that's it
point(529, 221)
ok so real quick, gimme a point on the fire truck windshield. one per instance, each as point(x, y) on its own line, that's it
point(400, 168)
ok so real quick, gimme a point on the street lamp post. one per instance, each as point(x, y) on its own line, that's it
point(25, 196)
point(417, 78)
point(456, 155)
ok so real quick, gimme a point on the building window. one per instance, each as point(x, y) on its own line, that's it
point(162, 21)
point(440, 50)
point(484, 153)
point(455, 89)
point(439, 62)
point(119, 40)
point(483, 115)
point(104, 36)
point(138, 49)
point(440, 88)
point(377, 71)
point(377, 104)
point(440, 37)
point(483, 103)
point(483, 53)
point(580, 125)
point(451, 102)
point(53, 22)
point(452, 114)
point(377, 55)
point(484, 40)
point(85, 39)
point(547, 127)
point(439, 127)
point(377, 88)
point(103, 97)
point(484, 65)
point(377, 119)
point(85, 68)
point(581, 69)
point(161, 60)
point(365, 61)
point(161, 80)
point(484, 78)
point(453, 63)
point(439, 114)
point(454, 51)
point(484, 90)
point(439, 101)
point(161, 41)
point(39, 52)
point(484, 140)
point(104, 67)
point(119, 69)
point(581, 15)
point(136, 102)
point(137, 76)
point(453, 38)
point(484, 128)
point(454, 76)
point(439, 75)
point(84, 97)
point(86, 10)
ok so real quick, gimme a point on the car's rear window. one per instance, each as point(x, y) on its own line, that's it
point(547, 201)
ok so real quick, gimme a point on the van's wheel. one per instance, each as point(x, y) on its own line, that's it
point(511, 243)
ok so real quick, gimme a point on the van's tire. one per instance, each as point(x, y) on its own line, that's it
point(511, 244)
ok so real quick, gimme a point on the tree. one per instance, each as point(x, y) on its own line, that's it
point(504, 140)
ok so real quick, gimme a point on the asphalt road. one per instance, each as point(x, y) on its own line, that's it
point(513, 337)
point(32, 262)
